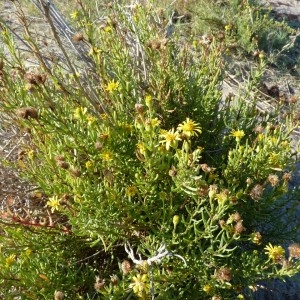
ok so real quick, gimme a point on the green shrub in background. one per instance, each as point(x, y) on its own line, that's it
point(151, 186)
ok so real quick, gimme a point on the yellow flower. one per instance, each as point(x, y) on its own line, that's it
point(274, 160)
point(155, 122)
point(131, 190)
point(276, 253)
point(88, 164)
point(30, 154)
point(140, 285)
point(93, 51)
point(141, 148)
point(9, 260)
point(170, 138)
point(28, 252)
point(54, 203)
point(238, 134)
point(189, 128)
point(112, 86)
point(107, 156)
point(74, 15)
point(91, 120)
point(107, 29)
point(207, 288)
point(148, 100)
point(79, 112)
point(260, 137)
point(228, 27)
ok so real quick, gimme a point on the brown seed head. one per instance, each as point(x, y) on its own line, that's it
point(62, 164)
point(59, 158)
point(58, 295)
point(259, 128)
point(223, 274)
point(114, 279)
point(205, 168)
point(77, 37)
point(222, 223)
point(287, 177)
point(27, 112)
point(294, 250)
point(173, 172)
point(99, 284)
point(139, 108)
point(238, 227)
point(75, 172)
point(256, 192)
point(273, 179)
point(126, 267)
point(236, 216)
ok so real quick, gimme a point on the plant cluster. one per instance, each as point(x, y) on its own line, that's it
point(150, 184)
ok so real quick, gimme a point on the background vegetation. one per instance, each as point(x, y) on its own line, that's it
point(150, 184)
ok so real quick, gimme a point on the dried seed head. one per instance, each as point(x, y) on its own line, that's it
point(77, 37)
point(223, 274)
point(126, 267)
point(59, 158)
point(99, 146)
point(256, 192)
point(1, 64)
point(273, 179)
point(238, 227)
point(294, 250)
point(259, 128)
point(173, 172)
point(256, 238)
point(114, 279)
point(35, 79)
point(21, 154)
point(236, 216)
point(62, 164)
point(99, 285)
point(157, 44)
point(58, 295)
point(205, 168)
point(222, 223)
point(75, 172)
point(287, 177)
point(139, 108)
point(27, 112)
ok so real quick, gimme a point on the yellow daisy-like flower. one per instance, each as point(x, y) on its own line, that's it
point(140, 285)
point(107, 156)
point(30, 154)
point(170, 138)
point(112, 86)
point(107, 29)
point(189, 128)
point(131, 190)
point(88, 164)
point(142, 148)
point(94, 51)
point(54, 203)
point(207, 288)
point(79, 112)
point(148, 100)
point(91, 120)
point(74, 15)
point(155, 122)
point(238, 134)
point(276, 253)
point(9, 260)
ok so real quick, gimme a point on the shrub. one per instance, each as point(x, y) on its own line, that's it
point(134, 150)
